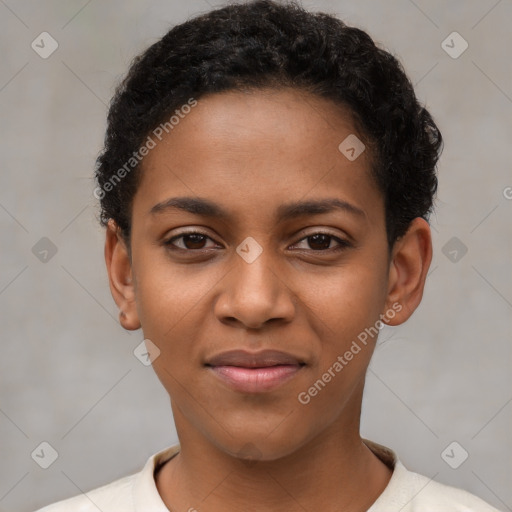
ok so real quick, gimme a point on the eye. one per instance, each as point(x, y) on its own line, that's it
point(189, 241)
point(195, 241)
point(322, 242)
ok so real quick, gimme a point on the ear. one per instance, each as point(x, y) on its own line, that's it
point(410, 260)
point(120, 277)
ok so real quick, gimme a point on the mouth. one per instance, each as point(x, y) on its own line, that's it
point(254, 372)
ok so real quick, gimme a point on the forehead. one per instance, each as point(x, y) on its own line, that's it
point(259, 148)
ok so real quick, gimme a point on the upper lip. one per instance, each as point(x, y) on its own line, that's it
point(246, 359)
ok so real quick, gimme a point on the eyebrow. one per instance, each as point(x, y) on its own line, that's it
point(207, 208)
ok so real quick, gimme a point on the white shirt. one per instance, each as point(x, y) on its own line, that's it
point(406, 491)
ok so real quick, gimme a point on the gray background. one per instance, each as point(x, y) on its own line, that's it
point(68, 375)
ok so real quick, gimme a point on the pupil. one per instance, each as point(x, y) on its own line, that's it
point(193, 240)
point(321, 240)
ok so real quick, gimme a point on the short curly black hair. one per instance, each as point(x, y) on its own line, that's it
point(262, 44)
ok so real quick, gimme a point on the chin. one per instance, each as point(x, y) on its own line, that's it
point(266, 444)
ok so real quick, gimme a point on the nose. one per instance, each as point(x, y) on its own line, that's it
point(255, 293)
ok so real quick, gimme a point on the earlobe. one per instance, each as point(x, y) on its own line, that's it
point(410, 261)
point(119, 270)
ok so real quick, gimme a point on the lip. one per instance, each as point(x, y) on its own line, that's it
point(254, 372)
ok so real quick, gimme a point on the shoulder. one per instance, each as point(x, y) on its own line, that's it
point(413, 492)
point(108, 498)
point(430, 494)
point(131, 493)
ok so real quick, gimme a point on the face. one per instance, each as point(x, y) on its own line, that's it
point(279, 254)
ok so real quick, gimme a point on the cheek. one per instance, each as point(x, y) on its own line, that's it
point(345, 310)
point(173, 307)
point(165, 293)
point(345, 301)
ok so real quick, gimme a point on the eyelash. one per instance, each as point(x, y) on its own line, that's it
point(343, 244)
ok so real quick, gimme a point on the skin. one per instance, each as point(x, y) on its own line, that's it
point(251, 153)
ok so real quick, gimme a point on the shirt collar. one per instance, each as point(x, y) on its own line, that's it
point(147, 499)
point(145, 493)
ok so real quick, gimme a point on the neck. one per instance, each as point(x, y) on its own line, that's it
point(336, 472)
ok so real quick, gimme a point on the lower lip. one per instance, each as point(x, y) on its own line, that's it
point(255, 380)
